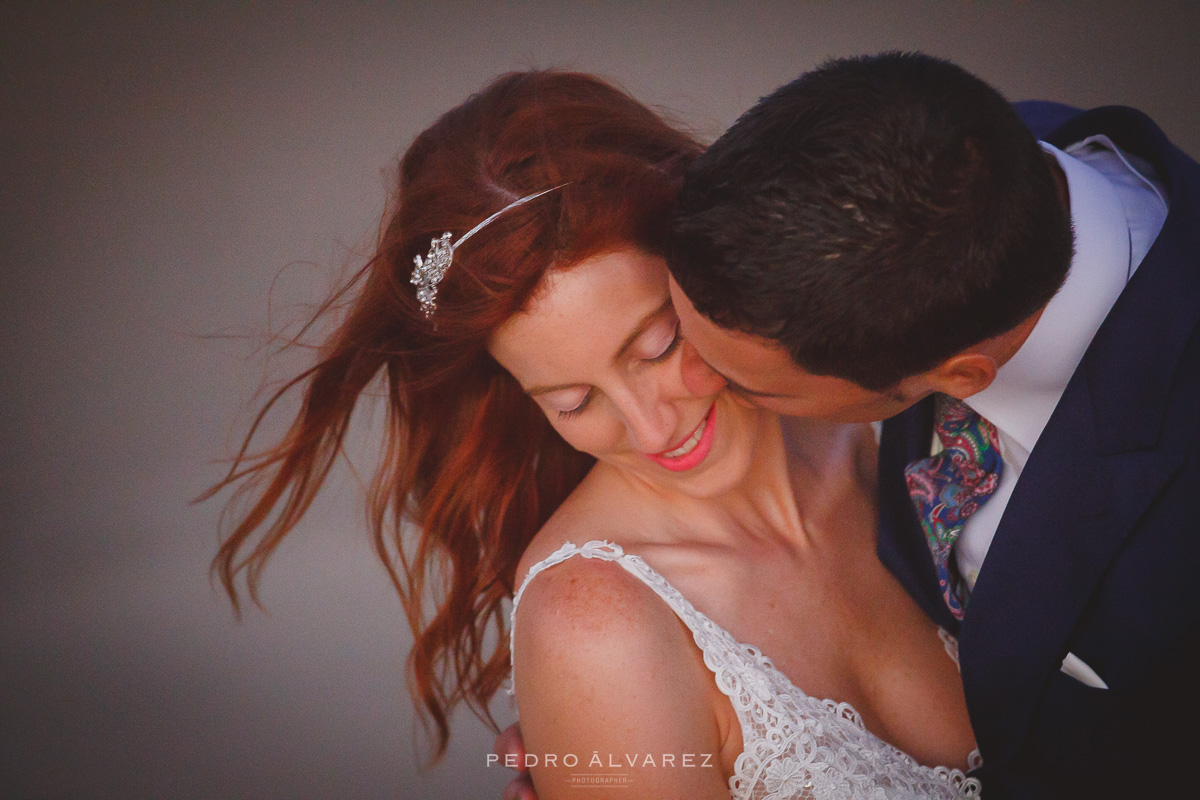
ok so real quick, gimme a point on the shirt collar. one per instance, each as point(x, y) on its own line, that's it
point(1021, 399)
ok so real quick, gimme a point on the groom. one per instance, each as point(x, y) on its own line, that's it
point(885, 239)
point(884, 235)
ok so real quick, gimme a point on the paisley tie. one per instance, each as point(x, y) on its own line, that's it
point(950, 486)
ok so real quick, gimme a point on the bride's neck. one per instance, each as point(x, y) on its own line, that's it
point(764, 499)
point(761, 503)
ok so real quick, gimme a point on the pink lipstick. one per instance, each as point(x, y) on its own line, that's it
point(689, 453)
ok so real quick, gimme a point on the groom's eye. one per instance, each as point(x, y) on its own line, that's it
point(748, 394)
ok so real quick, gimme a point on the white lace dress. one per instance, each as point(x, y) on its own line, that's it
point(795, 746)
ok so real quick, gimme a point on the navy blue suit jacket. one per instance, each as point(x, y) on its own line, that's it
point(1098, 550)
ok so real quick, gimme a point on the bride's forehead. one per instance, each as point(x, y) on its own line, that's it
point(584, 310)
point(603, 282)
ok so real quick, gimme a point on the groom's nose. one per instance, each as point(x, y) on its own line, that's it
point(699, 378)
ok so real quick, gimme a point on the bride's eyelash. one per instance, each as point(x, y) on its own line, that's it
point(577, 410)
point(665, 354)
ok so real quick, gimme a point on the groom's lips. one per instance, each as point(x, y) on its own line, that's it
point(694, 456)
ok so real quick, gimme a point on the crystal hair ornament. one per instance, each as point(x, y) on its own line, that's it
point(430, 269)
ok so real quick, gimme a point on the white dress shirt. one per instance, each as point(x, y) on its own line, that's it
point(1117, 209)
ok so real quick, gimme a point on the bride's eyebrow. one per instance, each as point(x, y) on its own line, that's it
point(534, 391)
point(644, 323)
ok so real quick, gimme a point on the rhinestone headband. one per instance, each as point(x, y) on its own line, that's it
point(430, 269)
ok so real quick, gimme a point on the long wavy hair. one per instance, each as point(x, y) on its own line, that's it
point(471, 468)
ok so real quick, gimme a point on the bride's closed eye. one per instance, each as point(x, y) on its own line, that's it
point(568, 402)
point(579, 409)
point(661, 343)
point(653, 347)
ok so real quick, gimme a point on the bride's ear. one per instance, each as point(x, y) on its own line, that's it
point(964, 374)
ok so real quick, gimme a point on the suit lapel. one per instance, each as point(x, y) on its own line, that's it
point(1066, 520)
point(1098, 465)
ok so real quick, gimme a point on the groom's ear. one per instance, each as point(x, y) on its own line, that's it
point(964, 374)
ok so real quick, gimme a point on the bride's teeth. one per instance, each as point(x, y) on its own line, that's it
point(691, 442)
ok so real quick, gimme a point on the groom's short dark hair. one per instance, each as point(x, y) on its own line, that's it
point(875, 216)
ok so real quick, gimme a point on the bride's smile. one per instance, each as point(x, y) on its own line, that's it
point(614, 388)
point(694, 448)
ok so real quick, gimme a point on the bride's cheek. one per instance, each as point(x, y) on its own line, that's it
point(574, 434)
point(599, 439)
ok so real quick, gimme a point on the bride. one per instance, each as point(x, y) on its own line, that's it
point(696, 597)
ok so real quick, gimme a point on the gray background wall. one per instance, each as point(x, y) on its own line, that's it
point(177, 181)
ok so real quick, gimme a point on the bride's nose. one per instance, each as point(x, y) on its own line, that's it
point(651, 419)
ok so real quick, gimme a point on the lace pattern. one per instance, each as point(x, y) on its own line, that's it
point(796, 747)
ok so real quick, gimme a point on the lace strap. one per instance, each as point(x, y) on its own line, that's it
point(605, 551)
point(951, 645)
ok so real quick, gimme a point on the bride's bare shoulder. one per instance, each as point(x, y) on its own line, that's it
point(589, 598)
point(589, 513)
point(585, 623)
point(601, 664)
point(582, 596)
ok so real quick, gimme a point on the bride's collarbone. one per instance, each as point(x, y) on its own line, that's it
point(822, 636)
point(813, 620)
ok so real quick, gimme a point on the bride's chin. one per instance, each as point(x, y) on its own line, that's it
point(724, 469)
point(732, 456)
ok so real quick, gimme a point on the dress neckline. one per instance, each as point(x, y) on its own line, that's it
point(610, 551)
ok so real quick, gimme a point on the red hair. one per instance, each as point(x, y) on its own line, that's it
point(471, 467)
